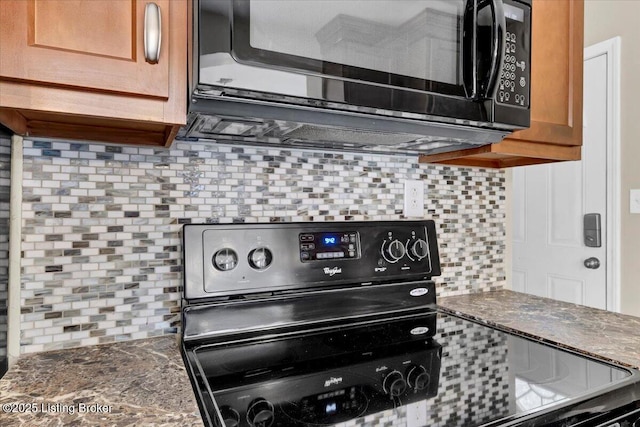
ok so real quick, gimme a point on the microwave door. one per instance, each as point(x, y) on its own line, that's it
point(414, 47)
point(309, 48)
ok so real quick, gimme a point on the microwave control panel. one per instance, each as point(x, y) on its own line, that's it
point(514, 83)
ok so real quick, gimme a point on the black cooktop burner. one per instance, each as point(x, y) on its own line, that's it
point(467, 374)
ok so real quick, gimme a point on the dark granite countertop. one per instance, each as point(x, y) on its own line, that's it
point(133, 383)
point(144, 382)
point(608, 336)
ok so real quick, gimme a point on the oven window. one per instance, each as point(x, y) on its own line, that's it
point(412, 38)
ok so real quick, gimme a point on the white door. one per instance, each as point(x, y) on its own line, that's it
point(549, 204)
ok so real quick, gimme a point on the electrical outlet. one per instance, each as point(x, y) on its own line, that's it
point(634, 201)
point(414, 199)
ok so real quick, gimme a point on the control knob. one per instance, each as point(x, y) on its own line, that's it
point(417, 377)
point(260, 413)
point(395, 251)
point(225, 259)
point(230, 416)
point(260, 258)
point(420, 249)
point(394, 384)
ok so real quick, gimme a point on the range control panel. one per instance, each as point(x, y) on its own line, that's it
point(238, 259)
point(514, 82)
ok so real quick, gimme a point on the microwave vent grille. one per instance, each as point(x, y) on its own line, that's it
point(348, 136)
point(291, 134)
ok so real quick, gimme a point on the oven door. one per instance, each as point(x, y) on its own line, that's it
point(435, 57)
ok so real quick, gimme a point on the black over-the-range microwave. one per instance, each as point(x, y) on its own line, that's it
point(406, 75)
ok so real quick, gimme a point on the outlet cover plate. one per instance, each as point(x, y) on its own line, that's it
point(634, 201)
point(414, 198)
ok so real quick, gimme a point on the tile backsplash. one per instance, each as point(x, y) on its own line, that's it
point(5, 191)
point(101, 249)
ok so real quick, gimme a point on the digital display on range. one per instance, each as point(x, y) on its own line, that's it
point(329, 245)
point(330, 240)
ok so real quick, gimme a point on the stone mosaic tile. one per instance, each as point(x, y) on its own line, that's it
point(101, 249)
point(5, 190)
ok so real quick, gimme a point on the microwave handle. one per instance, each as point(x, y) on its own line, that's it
point(488, 85)
point(469, 52)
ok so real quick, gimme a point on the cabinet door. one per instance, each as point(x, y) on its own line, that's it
point(96, 45)
point(556, 96)
point(556, 73)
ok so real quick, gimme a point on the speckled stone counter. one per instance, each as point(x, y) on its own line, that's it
point(609, 336)
point(144, 382)
point(133, 383)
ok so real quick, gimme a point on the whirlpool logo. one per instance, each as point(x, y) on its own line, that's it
point(332, 271)
point(332, 381)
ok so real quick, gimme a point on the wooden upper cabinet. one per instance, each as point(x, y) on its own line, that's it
point(556, 95)
point(65, 63)
point(557, 63)
point(83, 44)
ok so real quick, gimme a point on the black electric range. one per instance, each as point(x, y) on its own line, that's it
point(325, 324)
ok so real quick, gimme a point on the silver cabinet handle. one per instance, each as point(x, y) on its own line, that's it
point(152, 32)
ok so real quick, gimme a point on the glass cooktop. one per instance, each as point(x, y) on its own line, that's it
point(424, 369)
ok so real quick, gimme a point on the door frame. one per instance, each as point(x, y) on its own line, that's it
point(611, 50)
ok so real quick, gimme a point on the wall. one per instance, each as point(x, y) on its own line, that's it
point(101, 255)
point(605, 19)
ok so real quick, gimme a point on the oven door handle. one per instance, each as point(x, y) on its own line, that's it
point(469, 51)
point(488, 85)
